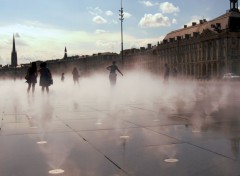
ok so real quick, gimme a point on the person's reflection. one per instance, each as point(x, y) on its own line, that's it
point(46, 114)
point(235, 146)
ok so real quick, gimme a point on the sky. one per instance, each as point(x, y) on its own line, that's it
point(43, 28)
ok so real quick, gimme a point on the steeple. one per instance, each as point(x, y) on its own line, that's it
point(14, 54)
point(234, 5)
point(65, 54)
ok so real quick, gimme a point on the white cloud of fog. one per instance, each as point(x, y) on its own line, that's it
point(114, 21)
point(156, 20)
point(194, 19)
point(147, 3)
point(127, 15)
point(174, 21)
point(168, 7)
point(94, 11)
point(109, 13)
point(179, 96)
point(100, 31)
point(99, 20)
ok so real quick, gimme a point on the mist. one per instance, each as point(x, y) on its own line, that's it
point(198, 99)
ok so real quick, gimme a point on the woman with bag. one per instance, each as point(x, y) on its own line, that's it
point(31, 77)
point(45, 77)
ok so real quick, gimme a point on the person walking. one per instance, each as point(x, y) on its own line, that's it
point(76, 76)
point(31, 77)
point(166, 73)
point(45, 77)
point(62, 77)
point(113, 76)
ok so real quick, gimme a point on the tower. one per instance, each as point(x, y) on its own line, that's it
point(65, 54)
point(14, 55)
point(234, 5)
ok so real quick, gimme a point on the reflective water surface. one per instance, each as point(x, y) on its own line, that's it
point(139, 127)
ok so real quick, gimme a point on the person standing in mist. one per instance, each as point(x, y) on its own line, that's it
point(31, 77)
point(62, 77)
point(166, 73)
point(45, 77)
point(174, 72)
point(113, 76)
point(76, 75)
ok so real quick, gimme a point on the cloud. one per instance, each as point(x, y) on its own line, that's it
point(174, 21)
point(194, 19)
point(100, 31)
point(137, 43)
point(95, 11)
point(127, 15)
point(109, 13)
point(99, 20)
point(114, 21)
point(147, 3)
point(168, 7)
point(156, 20)
point(106, 44)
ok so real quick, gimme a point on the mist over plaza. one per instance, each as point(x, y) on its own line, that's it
point(79, 100)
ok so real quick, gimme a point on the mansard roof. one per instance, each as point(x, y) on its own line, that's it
point(199, 28)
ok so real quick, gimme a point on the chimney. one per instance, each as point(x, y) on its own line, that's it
point(142, 48)
point(194, 23)
point(149, 46)
point(201, 21)
point(185, 26)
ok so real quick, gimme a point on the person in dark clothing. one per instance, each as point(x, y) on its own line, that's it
point(45, 77)
point(174, 72)
point(32, 77)
point(166, 73)
point(62, 77)
point(76, 75)
point(113, 76)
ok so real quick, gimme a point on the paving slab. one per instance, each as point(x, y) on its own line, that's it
point(21, 155)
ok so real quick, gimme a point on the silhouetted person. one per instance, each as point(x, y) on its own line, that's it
point(76, 75)
point(62, 77)
point(45, 77)
point(31, 76)
point(166, 73)
point(174, 72)
point(113, 76)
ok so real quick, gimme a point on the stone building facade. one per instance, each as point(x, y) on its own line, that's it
point(207, 49)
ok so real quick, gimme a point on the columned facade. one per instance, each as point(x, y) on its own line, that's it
point(204, 50)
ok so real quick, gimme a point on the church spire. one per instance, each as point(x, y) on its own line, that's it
point(65, 54)
point(14, 54)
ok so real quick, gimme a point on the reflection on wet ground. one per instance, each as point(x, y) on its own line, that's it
point(183, 128)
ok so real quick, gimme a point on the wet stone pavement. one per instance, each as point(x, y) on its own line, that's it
point(71, 132)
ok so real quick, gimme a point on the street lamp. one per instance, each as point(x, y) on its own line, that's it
point(121, 19)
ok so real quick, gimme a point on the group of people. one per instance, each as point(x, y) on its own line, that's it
point(45, 77)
